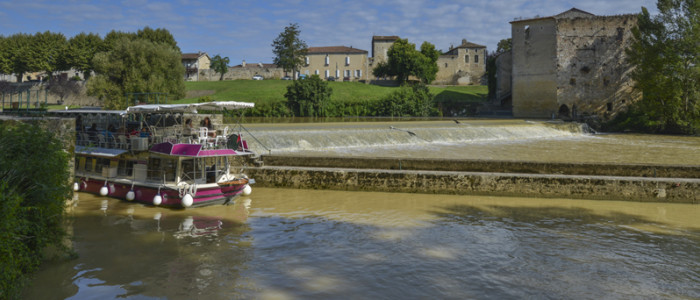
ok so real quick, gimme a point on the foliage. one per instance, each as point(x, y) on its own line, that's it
point(290, 51)
point(136, 66)
point(158, 36)
point(5, 59)
point(220, 65)
point(665, 53)
point(81, 50)
point(16, 49)
point(113, 37)
point(63, 87)
point(408, 101)
point(309, 97)
point(504, 45)
point(33, 188)
point(47, 52)
point(404, 61)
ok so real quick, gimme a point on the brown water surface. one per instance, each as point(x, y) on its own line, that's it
point(308, 244)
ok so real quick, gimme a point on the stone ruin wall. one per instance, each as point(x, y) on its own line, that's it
point(593, 76)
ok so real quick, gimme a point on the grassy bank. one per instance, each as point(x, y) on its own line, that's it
point(262, 91)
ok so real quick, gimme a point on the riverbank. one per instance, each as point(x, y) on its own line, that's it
point(629, 182)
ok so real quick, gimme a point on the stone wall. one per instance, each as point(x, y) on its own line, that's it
point(470, 183)
point(238, 72)
point(534, 68)
point(593, 75)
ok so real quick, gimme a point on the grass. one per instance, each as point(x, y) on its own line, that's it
point(261, 91)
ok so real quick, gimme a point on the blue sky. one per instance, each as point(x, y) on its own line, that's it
point(245, 29)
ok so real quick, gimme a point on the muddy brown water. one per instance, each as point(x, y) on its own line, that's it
point(312, 244)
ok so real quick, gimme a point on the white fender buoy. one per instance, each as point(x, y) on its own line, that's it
point(247, 190)
point(76, 186)
point(130, 195)
point(187, 200)
point(104, 190)
point(157, 199)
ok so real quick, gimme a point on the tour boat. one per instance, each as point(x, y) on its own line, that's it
point(163, 162)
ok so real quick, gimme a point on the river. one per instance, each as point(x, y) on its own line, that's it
point(312, 244)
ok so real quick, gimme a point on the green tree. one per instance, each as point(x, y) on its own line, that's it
point(47, 52)
point(158, 35)
point(136, 66)
point(290, 51)
point(5, 59)
point(113, 37)
point(404, 61)
point(665, 53)
point(18, 51)
point(81, 50)
point(309, 97)
point(504, 45)
point(33, 188)
point(220, 65)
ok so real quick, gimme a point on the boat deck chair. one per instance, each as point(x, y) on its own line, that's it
point(223, 138)
point(203, 136)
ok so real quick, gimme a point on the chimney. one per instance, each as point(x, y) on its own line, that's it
point(464, 41)
point(243, 63)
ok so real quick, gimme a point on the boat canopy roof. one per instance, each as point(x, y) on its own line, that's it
point(98, 151)
point(189, 107)
point(164, 108)
point(192, 150)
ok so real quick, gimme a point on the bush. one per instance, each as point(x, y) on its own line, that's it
point(33, 188)
point(309, 97)
point(408, 101)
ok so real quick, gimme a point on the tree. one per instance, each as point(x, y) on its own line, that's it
point(5, 60)
point(136, 66)
point(290, 51)
point(309, 97)
point(63, 87)
point(18, 46)
point(504, 45)
point(407, 101)
point(113, 37)
point(158, 35)
point(81, 50)
point(47, 52)
point(664, 52)
point(220, 65)
point(404, 61)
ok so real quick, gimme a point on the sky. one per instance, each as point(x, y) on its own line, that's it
point(244, 30)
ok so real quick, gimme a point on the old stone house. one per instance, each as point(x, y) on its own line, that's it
point(195, 65)
point(571, 65)
point(462, 65)
point(340, 62)
point(248, 70)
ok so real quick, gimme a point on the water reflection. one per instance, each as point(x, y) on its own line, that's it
point(301, 244)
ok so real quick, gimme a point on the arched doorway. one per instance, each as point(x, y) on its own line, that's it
point(564, 112)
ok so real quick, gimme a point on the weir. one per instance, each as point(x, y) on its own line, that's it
point(504, 157)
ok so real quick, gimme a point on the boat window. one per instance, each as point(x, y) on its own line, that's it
point(154, 169)
point(126, 167)
point(190, 171)
point(101, 163)
point(169, 166)
point(88, 164)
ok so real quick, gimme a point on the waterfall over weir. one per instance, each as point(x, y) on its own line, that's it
point(300, 138)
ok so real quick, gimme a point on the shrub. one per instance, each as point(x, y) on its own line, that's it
point(309, 97)
point(408, 101)
point(33, 189)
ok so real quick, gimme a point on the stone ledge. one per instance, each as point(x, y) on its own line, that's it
point(676, 190)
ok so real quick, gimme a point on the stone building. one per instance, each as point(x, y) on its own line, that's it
point(195, 64)
point(504, 78)
point(571, 65)
point(462, 65)
point(380, 46)
point(339, 62)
